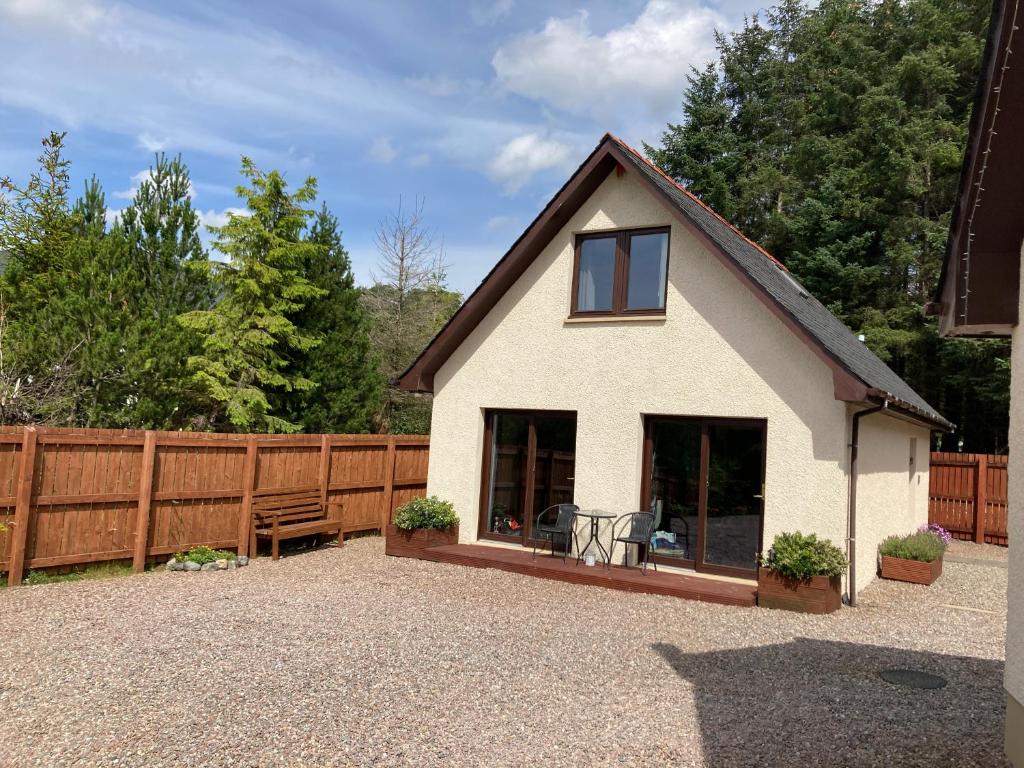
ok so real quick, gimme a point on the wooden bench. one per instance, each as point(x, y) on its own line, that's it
point(288, 514)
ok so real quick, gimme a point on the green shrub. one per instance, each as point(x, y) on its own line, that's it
point(924, 546)
point(426, 513)
point(795, 556)
point(203, 555)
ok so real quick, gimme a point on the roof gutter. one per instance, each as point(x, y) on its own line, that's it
point(851, 510)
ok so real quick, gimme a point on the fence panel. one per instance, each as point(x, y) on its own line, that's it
point(88, 495)
point(967, 495)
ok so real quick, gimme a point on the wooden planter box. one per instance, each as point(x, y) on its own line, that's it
point(402, 543)
point(914, 571)
point(820, 594)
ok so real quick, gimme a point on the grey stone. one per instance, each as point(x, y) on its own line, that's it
point(171, 564)
point(209, 567)
point(190, 566)
point(243, 561)
point(232, 564)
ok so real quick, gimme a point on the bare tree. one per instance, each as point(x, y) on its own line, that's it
point(408, 301)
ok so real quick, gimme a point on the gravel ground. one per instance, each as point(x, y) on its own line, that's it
point(968, 549)
point(346, 657)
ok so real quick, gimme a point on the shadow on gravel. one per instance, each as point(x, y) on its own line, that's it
point(811, 703)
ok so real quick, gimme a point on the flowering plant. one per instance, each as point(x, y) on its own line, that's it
point(937, 530)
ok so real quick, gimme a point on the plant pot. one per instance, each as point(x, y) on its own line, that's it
point(417, 542)
point(914, 571)
point(820, 594)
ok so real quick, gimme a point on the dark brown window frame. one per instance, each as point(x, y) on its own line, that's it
point(699, 565)
point(620, 280)
point(531, 459)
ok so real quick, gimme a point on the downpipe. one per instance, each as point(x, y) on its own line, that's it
point(851, 510)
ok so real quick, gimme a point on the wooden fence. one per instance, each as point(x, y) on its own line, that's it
point(81, 496)
point(967, 496)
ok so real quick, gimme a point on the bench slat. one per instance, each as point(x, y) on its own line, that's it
point(304, 529)
point(284, 500)
point(284, 514)
point(289, 507)
point(288, 522)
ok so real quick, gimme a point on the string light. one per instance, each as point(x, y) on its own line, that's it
point(997, 89)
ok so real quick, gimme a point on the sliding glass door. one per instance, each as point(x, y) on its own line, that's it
point(529, 465)
point(704, 481)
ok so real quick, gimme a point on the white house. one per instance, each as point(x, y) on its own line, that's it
point(633, 351)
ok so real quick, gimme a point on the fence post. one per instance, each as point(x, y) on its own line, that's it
point(980, 497)
point(145, 501)
point(23, 506)
point(248, 484)
point(389, 486)
point(325, 468)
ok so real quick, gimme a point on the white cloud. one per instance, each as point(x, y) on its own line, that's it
point(208, 83)
point(641, 66)
point(213, 218)
point(382, 150)
point(420, 160)
point(150, 143)
point(525, 155)
point(488, 13)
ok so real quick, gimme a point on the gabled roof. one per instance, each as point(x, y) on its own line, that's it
point(858, 375)
point(977, 293)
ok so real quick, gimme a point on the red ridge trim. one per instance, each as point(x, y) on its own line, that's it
point(690, 195)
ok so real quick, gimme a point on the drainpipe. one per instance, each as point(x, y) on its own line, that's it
point(851, 512)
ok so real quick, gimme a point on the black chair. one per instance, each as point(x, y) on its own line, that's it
point(557, 521)
point(641, 528)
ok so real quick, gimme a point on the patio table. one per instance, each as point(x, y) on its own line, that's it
point(595, 516)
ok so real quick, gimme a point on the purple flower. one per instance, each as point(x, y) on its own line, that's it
point(937, 530)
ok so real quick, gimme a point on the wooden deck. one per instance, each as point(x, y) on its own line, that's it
point(616, 577)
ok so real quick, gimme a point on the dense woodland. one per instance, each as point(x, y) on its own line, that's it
point(133, 323)
point(832, 134)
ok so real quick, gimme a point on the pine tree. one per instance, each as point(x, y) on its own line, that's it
point(247, 337)
point(839, 150)
point(65, 290)
point(161, 234)
point(348, 384)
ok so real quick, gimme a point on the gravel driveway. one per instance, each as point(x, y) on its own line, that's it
point(346, 657)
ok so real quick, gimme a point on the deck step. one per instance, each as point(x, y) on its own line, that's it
point(616, 577)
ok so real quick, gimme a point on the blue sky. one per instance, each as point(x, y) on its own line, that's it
point(482, 108)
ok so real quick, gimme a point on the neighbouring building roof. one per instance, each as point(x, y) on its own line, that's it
point(978, 287)
point(858, 374)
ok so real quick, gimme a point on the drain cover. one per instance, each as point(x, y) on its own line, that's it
point(913, 678)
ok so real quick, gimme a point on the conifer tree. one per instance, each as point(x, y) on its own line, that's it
point(247, 338)
point(833, 135)
point(161, 233)
point(348, 384)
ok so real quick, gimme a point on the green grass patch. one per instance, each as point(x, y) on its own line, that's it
point(204, 555)
point(109, 570)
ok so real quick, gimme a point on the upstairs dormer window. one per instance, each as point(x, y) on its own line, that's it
point(620, 273)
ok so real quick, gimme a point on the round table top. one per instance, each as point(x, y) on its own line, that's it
point(598, 514)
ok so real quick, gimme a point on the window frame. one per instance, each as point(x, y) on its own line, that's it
point(620, 274)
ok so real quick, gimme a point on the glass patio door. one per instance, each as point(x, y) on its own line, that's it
point(703, 480)
point(529, 465)
point(735, 494)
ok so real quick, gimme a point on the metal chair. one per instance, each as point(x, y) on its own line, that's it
point(562, 525)
point(641, 528)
